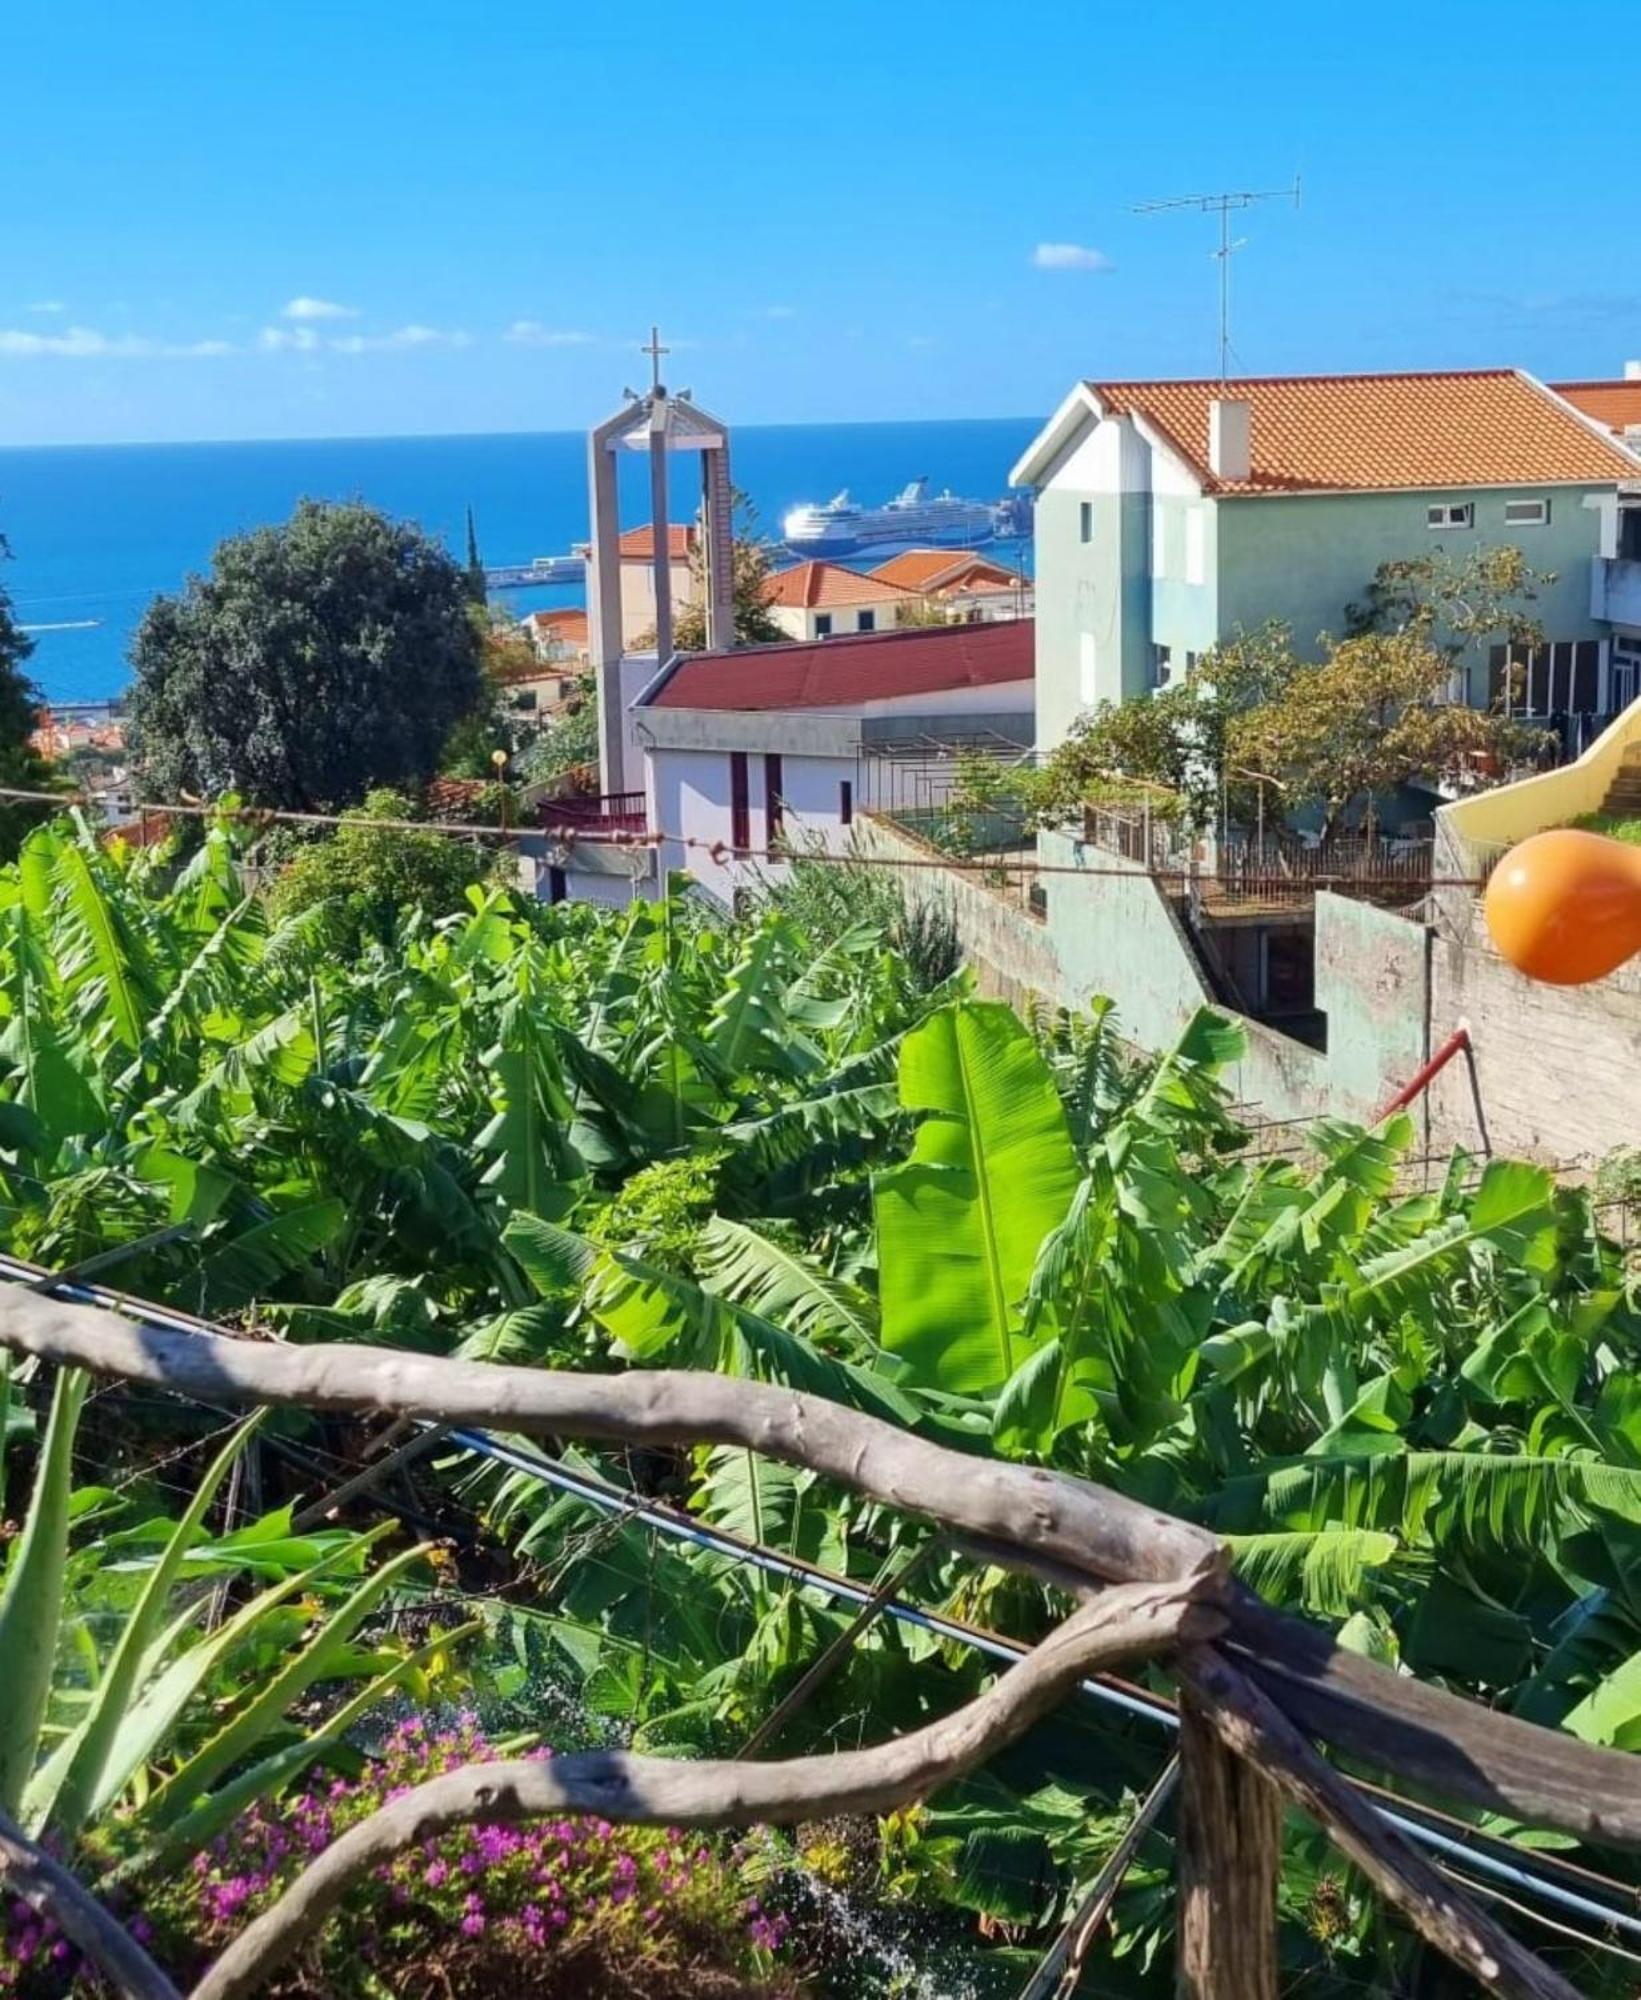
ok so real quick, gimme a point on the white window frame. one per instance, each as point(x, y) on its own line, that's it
point(1088, 665)
point(1534, 513)
point(823, 624)
point(1162, 666)
point(1451, 514)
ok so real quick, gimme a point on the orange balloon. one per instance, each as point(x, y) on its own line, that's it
point(1565, 906)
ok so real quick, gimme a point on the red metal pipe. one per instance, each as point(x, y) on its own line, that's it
point(1455, 1043)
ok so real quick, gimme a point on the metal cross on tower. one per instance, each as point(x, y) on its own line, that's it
point(655, 351)
point(1222, 205)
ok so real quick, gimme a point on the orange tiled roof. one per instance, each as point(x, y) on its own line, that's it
point(821, 586)
point(570, 623)
point(638, 544)
point(1358, 433)
point(1615, 404)
point(944, 569)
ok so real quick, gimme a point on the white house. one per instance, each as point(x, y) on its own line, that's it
point(820, 600)
point(638, 574)
point(764, 747)
point(961, 583)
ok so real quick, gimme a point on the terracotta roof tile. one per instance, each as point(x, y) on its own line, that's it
point(638, 544)
point(818, 586)
point(1355, 433)
point(1615, 404)
point(569, 623)
point(945, 569)
point(858, 667)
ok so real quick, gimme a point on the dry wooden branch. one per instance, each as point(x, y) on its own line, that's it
point(1230, 1856)
point(1445, 1745)
point(1043, 1522)
point(1034, 1512)
point(1138, 1621)
point(1255, 1729)
point(45, 1885)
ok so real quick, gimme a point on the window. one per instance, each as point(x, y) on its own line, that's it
point(1526, 513)
point(1159, 541)
point(846, 802)
point(558, 885)
point(823, 624)
point(1085, 521)
point(1196, 546)
point(1191, 662)
point(1086, 670)
point(1162, 665)
point(867, 622)
point(773, 801)
point(1459, 516)
point(740, 821)
point(1563, 678)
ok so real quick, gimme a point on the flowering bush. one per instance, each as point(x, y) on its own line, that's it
point(553, 1908)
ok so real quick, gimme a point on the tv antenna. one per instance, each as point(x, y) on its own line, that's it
point(1224, 206)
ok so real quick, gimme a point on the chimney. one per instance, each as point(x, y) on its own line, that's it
point(1632, 371)
point(1229, 449)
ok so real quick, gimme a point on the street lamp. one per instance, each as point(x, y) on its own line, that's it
point(498, 761)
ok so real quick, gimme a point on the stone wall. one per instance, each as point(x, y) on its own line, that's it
point(1559, 1068)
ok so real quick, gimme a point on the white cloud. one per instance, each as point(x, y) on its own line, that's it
point(277, 339)
point(1070, 257)
point(532, 333)
point(304, 308)
point(403, 336)
point(780, 312)
point(85, 343)
point(49, 306)
point(920, 340)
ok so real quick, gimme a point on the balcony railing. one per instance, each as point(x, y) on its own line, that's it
point(597, 817)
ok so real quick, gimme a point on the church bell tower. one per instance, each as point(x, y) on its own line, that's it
point(659, 422)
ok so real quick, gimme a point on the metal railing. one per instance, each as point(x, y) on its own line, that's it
point(604, 813)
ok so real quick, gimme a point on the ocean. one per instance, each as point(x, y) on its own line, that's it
point(97, 531)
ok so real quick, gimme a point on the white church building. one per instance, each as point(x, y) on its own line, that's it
point(720, 762)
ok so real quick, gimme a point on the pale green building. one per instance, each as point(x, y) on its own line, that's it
point(1172, 514)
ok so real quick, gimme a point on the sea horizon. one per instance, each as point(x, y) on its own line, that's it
point(97, 531)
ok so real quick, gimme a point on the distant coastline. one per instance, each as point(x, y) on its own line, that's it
point(96, 531)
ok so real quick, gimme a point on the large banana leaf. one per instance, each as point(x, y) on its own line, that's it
point(960, 1224)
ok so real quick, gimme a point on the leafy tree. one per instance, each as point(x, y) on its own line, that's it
point(319, 658)
point(569, 742)
point(1453, 602)
point(367, 880)
point(21, 765)
point(751, 566)
point(1373, 717)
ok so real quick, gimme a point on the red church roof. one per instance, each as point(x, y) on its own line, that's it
point(854, 668)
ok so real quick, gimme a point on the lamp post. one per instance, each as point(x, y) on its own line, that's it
point(498, 760)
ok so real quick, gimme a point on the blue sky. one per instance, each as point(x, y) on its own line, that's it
point(235, 218)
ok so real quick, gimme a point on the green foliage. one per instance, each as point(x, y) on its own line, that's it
point(569, 743)
point(177, 1725)
point(364, 883)
point(318, 659)
point(21, 767)
point(835, 899)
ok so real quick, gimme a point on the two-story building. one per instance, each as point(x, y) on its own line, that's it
point(821, 600)
point(1616, 593)
point(1171, 515)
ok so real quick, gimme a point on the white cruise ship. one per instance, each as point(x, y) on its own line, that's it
point(913, 516)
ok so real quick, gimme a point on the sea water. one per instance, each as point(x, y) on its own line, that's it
point(97, 531)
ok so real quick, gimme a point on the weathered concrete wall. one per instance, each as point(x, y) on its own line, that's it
point(1559, 1066)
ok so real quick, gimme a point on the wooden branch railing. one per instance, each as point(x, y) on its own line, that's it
point(1256, 1684)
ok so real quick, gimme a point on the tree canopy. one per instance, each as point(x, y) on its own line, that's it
point(317, 659)
point(751, 568)
point(1374, 713)
point(20, 703)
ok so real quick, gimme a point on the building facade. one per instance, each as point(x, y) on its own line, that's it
point(823, 600)
point(1171, 515)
